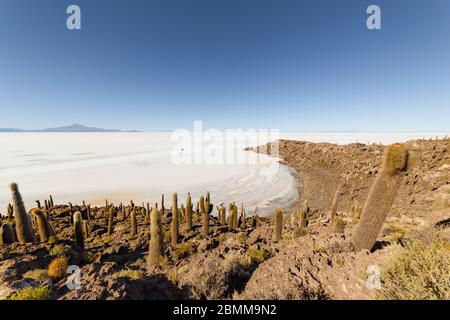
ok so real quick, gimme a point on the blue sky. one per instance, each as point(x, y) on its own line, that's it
point(285, 64)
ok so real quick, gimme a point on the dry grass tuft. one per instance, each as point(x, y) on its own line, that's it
point(129, 274)
point(30, 293)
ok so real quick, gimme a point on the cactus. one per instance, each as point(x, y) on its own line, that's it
point(304, 215)
point(156, 251)
point(205, 216)
point(78, 229)
point(86, 229)
point(339, 225)
point(111, 221)
point(175, 222)
point(162, 204)
point(42, 225)
point(133, 223)
point(334, 204)
point(88, 212)
point(381, 197)
point(7, 235)
point(222, 214)
point(24, 229)
point(10, 212)
point(356, 210)
point(278, 224)
point(38, 204)
point(189, 211)
point(242, 217)
point(51, 201)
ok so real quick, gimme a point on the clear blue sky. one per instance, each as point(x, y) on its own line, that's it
point(161, 64)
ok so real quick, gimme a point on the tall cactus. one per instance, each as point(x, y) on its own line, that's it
point(78, 229)
point(133, 223)
point(156, 251)
point(111, 221)
point(381, 197)
point(24, 229)
point(175, 222)
point(189, 211)
point(278, 224)
point(42, 225)
point(242, 217)
point(334, 205)
point(304, 215)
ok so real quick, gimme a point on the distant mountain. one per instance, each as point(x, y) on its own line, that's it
point(72, 128)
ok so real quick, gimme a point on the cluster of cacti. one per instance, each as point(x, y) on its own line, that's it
point(381, 197)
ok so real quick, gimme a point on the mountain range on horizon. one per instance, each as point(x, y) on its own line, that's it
point(72, 128)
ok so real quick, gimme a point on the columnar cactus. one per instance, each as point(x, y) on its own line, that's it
point(278, 224)
point(205, 217)
point(222, 214)
point(111, 221)
point(242, 216)
point(42, 225)
point(175, 222)
point(7, 235)
point(51, 201)
point(24, 229)
point(156, 250)
point(78, 229)
point(86, 229)
point(334, 204)
point(381, 197)
point(189, 211)
point(133, 223)
point(304, 215)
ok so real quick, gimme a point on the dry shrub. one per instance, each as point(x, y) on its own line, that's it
point(58, 268)
point(129, 274)
point(258, 255)
point(30, 293)
point(421, 271)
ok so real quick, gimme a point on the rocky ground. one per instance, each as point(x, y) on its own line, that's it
point(246, 263)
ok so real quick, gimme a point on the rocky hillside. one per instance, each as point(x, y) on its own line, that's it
point(240, 258)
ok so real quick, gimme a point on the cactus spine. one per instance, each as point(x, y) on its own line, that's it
point(24, 228)
point(78, 229)
point(175, 222)
point(278, 224)
point(133, 223)
point(156, 239)
point(189, 211)
point(42, 225)
point(381, 197)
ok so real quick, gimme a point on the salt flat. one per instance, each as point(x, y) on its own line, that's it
point(139, 166)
